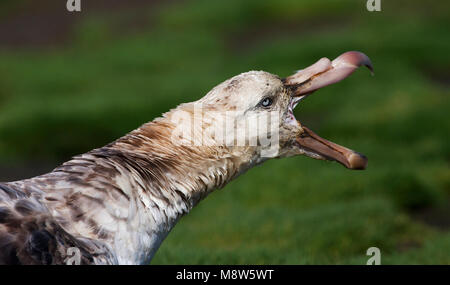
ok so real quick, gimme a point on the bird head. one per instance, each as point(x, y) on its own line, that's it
point(254, 111)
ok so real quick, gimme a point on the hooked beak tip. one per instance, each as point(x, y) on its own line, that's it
point(354, 58)
point(325, 72)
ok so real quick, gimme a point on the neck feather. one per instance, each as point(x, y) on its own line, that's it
point(166, 179)
point(174, 173)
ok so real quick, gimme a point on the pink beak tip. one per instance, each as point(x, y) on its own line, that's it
point(358, 59)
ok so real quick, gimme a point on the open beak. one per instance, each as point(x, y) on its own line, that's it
point(304, 82)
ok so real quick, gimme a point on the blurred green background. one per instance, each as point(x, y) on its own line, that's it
point(71, 82)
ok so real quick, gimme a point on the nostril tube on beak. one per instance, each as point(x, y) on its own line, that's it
point(305, 74)
point(324, 72)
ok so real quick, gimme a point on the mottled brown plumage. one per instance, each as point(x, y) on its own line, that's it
point(42, 217)
point(116, 204)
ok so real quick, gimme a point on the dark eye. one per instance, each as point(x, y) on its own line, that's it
point(266, 102)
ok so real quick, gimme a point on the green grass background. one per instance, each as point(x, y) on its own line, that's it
point(60, 101)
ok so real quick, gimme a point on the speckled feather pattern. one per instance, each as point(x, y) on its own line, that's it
point(117, 203)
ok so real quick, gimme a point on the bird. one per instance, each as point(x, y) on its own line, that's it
point(116, 204)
